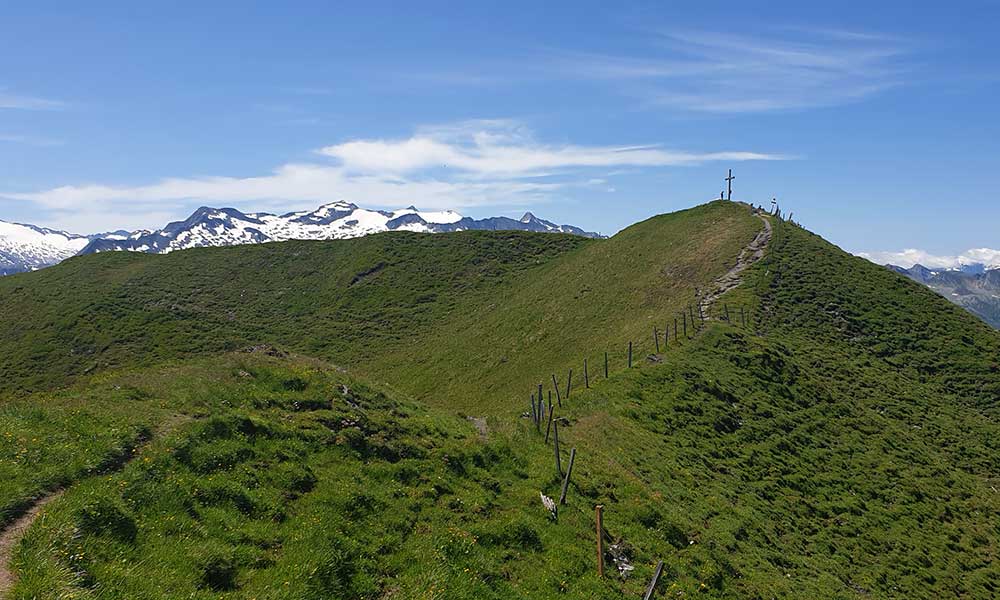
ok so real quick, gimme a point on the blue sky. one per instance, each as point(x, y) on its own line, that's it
point(875, 123)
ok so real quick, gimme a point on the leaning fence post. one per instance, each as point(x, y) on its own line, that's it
point(556, 386)
point(586, 375)
point(549, 426)
point(600, 539)
point(555, 438)
point(569, 383)
point(656, 339)
point(652, 583)
point(569, 473)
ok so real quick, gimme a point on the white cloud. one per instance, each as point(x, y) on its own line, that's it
point(29, 140)
point(14, 101)
point(912, 256)
point(788, 68)
point(469, 164)
point(504, 150)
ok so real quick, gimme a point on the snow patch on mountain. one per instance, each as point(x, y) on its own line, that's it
point(26, 247)
point(338, 220)
point(972, 260)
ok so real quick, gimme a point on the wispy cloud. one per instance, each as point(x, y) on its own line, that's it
point(16, 101)
point(912, 256)
point(29, 140)
point(505, 150)
point(789, 68)
point(468, 164)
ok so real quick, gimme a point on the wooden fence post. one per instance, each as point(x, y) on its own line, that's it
point(534, 416)
point(630, 355)
point(549, 426)
point(684, 318)
point(600, 539)
point(569, 473)
point(569, 383)
point(586, 375)
point(605, 365)
point(656, 339)
point(666, 336)
point(652, 583)
point(538, 417)
point(555, 438)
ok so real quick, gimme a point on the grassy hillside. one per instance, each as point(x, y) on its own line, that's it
point(346, 299)
point(414, 310)
point(843, 444)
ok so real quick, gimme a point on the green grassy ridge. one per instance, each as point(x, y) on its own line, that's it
point(487, 358)
point(419, 311)
point(813, 291)
point(821, 452)
point(290, 487)
point(786, 484)
point(344, 299)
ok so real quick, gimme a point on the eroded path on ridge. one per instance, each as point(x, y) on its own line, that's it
point(751, 254)
point(10, 537)
point(13, 532)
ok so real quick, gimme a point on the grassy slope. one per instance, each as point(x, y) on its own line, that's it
point(487, 358)
point(343, 299)
point(283, 485)
point(844, 446)
point(468, 320)
point(848, 450)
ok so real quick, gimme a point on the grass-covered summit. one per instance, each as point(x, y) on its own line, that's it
point(842, 444)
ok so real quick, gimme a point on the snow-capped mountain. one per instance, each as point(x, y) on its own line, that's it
point(339, 220)
point(26, 247)
point(973, 286)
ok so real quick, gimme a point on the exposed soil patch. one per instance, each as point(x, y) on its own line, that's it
point(480, 424)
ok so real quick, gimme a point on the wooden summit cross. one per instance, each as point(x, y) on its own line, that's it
point(729, 182)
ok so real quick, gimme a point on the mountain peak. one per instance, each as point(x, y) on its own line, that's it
point(209, 226)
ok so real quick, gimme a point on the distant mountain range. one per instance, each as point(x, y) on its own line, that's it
point(974, 286)
point(27, 247)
